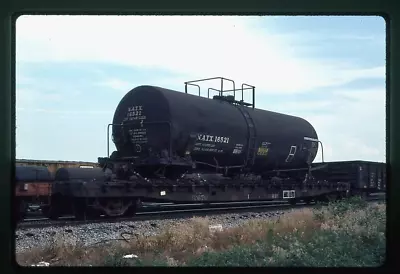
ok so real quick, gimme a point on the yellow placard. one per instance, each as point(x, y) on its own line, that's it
point(262, 151)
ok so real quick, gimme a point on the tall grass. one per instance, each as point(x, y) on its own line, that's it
point(345, 233)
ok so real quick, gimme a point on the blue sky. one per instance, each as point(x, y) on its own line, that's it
point(72, 72)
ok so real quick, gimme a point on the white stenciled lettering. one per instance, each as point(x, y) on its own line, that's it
point(135, 113)
point(138, 136)
point(212, 138)
point(238, 149)
point(135, 108)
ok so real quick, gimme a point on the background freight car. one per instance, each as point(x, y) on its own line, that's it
point(32, 187)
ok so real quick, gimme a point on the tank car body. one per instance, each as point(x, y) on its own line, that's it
point(157, 123)
point(32, 174)
point(32, 182)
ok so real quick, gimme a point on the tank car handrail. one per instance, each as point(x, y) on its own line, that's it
point(322, 146)
point(133, 123)
point(191, 85)
point(221, 91)
point(254, 93)
point(228, 90)
point(322, 151)
point(208, 79)
point(208, 93)
point(233, 83)
point(108, 138)
point(213, 78)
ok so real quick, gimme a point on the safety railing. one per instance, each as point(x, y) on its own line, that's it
point(221, 91)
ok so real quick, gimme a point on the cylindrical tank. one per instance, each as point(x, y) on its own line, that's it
point(76, 173)
point(32, 174)
point(152, 120)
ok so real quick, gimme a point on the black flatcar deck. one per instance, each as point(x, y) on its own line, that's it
point(115, 197)
point(188, 192)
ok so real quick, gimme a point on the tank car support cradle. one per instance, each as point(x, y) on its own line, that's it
point(20, 208)
point(132, 209)
point(55, 208)
point(80, 207)
point(116, 206)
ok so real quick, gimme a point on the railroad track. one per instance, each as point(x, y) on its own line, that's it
point(171, 211)
point(155, 214)
point(150, 207)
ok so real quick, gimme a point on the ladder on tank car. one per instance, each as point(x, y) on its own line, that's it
point(252, 134)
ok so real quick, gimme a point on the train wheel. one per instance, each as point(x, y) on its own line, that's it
point(54, 209)
point(292, 201)
point(307, 201)
point(131, 211)
point(329, 198)
point(80, 209)
point(19, 213)
point(321, 199)
point(342, 195)
point(364, 195)
point(51, 212)
point(116, 207)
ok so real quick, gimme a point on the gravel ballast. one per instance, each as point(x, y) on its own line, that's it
point(97, 233)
